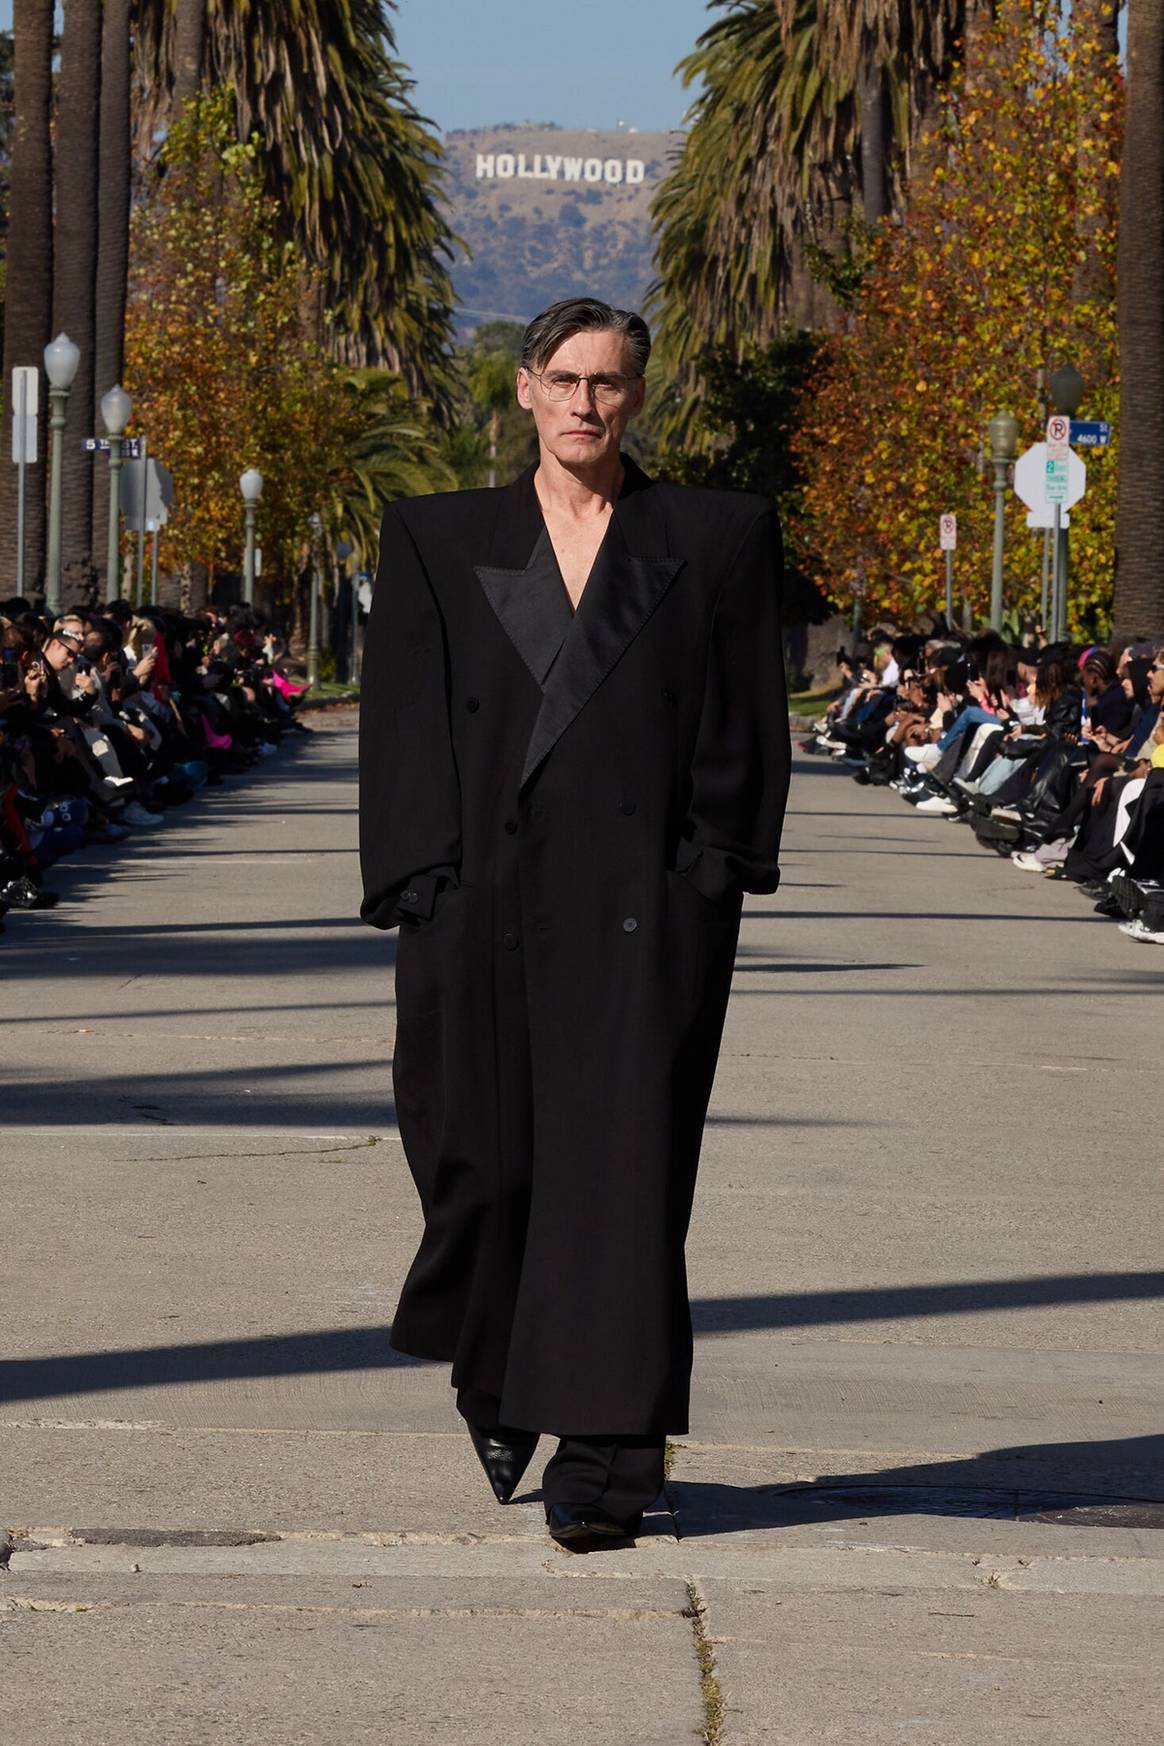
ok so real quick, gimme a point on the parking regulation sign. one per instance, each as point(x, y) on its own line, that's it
point(1058, 437)
point(948, 533)
point(1057, 479)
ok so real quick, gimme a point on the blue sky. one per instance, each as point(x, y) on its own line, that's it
point(590, 64)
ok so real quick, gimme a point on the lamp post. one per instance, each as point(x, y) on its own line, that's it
point(251, 485)
point(343, 552)
point(61, 360)
point(116, 407)
point(313, 622)
point(1066, 385)
point(1003, 430)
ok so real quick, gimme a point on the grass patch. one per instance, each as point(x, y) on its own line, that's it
point(713, 1705)
point(810, 702)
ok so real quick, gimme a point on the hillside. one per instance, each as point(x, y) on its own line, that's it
point(548, 212)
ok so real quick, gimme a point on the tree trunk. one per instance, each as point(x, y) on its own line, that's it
point(979, 17)
point(189, 49)
point(874, 162)
point(1091, 280)
point(112, 245)
point(1139, 583)
point(30, 274)
point(78, 120)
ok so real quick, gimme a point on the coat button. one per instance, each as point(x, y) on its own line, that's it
point(668, 696)
point(629, 925)
point(472, 704)
point(627, 807)
point(509, 940)
point(511, 827)
point(408, 897)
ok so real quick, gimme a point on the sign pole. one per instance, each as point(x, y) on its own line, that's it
point(949, 590)
point(21, 425)
point(1048, 630)
point(1056, 579)
point(157, 533)
point(139, 570)
point(1062, 537)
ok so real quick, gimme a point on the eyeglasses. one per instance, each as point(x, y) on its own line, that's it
point(607, 388)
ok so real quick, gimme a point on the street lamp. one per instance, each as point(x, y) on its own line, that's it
point(316, 522)
point(1003, 430)
point(1066, 385)
point(251, 485)
point(116, 407)
point(61, 361)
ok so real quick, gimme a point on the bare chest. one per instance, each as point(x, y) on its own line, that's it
point(576, 547)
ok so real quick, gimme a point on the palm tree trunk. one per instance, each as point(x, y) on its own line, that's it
point(1139, 583)
point(112, 244)
point(78, 122)
point(189, 49)
point(874, 163)
point(30, 271)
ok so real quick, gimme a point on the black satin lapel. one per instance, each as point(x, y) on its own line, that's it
point(621, 594)
point(532, 606)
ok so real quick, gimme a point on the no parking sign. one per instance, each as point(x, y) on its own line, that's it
point(948, 533)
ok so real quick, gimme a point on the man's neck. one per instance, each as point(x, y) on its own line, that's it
point(577, 493)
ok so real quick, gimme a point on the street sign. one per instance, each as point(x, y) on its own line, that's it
point(948, 533)
point(1055, 482)
point(1030, 479)
point(130, 447)
point(25, 391)
point(158, 485)
point(1090, 433)
point(1058, 437)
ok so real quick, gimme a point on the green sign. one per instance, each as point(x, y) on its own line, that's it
point(1055, 489)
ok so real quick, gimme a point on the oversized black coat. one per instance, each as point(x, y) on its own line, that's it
point(562, 811)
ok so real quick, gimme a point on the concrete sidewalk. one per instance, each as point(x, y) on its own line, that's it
point(923, 1494)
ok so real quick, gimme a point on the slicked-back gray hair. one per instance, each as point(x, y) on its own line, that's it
point(547, 331)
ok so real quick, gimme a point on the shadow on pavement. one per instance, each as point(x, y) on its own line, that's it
point(1113, 1483)
point(366, 1348)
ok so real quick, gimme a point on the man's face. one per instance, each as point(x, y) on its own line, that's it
point(1156, 680)
point(585, 428)
point(64, 646)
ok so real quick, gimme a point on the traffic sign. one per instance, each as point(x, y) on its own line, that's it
point(1090, 433)
point(1030, 478)
point(158, 485)
point(130, 447)
point(948, 533)
point(1055, 483)
point(1058, 437)
point(25, 392)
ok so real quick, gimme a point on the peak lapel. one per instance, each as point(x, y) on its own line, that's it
point(531, 605)
point(630, 577)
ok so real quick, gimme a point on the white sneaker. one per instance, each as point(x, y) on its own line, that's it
point(937, 806)
point(136, 814)
point(927, 756)
point(1136, 930)
point(1029, 862)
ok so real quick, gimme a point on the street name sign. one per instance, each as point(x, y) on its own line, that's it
point(130, 447)
point(1090, 433)
point(948, 533)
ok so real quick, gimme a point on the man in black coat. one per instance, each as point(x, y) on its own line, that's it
point(574, 760)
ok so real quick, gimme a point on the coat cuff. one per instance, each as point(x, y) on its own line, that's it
point(416, 897)
point(719, 876)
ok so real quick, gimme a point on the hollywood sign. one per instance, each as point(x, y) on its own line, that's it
point(546, 167)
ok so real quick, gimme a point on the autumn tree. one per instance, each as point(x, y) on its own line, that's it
point(227, 372)
point(966, 308)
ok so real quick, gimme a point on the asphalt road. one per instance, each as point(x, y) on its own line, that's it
point(923, 1494)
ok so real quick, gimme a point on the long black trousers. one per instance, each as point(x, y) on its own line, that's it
point(620, 1475)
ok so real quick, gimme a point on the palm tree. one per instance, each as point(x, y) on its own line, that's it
point(74, 312)
point(343, 150)
point(29, 291)
point(1139, 583)
point(112, 240)
point(396, 454)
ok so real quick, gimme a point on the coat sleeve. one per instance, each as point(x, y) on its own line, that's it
point(743, 755)
point(410, 804)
